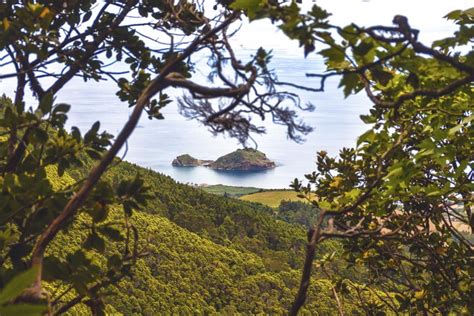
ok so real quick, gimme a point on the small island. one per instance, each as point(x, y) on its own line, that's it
point(189, 161)
point(246, 159)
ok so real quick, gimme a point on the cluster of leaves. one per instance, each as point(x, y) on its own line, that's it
point(396, 199)
point(35, 189)
point(307, 29)
point(87, 43)
point(402, 199)
point(59, 40)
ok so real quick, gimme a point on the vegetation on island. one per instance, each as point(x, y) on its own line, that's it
point(247, 159)
point(85, 233)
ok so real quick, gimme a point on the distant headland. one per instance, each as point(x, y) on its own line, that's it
point(246, 159)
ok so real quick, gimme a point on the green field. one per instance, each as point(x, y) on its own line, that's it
point(272, 198)
point(230, 190)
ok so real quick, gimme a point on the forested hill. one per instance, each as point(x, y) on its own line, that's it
point(207, 253)
point(226, 221)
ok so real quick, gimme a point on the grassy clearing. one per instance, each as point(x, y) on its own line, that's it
point(230, 190)
point(272, 198)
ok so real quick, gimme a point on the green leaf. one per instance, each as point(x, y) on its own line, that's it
point(77, 259)
point(381, 75)
point(318, 13)
point(46, 103)
point(334, 55)
point(111, 233)
point(41, 135)
point(349, 33)
point(95, 127)
point(395, 172)
point(62, 107)
point(433, 193)
point(458, 127)
point(308, 48)
point(76, 133)
point(16, 286)
point(87, 17)
point(250, 7)
point(469, 11)
point(350, 83)
point(92, 133)
point(368, 119)
point(54, 268)
point(18, 250)
point(62, 166)
point(95, 241)
point(368, 137)
point(453, 15)
point(114, 262)
point(363, 48)
point(98, 212)
point(413, 80)
point(353, 194)
point(424, 152)
point(455, 129)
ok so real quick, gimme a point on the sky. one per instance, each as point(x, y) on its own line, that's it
point(426, 15)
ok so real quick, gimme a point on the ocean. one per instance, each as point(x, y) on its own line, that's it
point(155, 143)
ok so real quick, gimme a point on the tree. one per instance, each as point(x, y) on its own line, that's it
point(89, 39)
point(393, 200)
point(401, 201)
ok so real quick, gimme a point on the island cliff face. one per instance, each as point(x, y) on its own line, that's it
point(246, 159)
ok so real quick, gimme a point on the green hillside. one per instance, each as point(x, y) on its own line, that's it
point(206, 254)
point(187, 274)
point(226, 221)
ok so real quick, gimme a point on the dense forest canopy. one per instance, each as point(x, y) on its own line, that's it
point(390, 220)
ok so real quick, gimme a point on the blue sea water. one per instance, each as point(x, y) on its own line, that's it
point(155, 143)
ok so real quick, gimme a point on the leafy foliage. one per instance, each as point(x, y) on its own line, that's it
point(398, 200)
point(13, 289)
point(36, 188)
point(401, 199)
point(44, 45)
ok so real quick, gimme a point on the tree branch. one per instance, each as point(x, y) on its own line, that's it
point(156, 85)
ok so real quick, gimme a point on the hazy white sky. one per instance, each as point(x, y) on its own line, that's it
point(426, 15)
